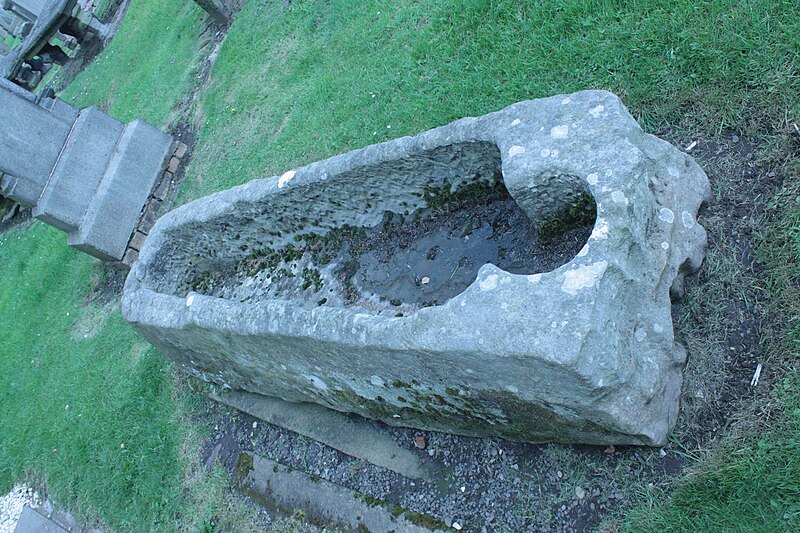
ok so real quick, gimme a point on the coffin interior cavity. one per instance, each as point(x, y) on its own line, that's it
point(388, 238)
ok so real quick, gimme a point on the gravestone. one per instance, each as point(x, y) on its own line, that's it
point(273, 286)
point(83, 172)
point(12, 25)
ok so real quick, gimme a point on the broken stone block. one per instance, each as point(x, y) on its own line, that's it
point(245, 288)
point(137, 241)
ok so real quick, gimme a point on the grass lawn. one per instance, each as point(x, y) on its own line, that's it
point(313, 78)
point(148, 66)
point(303, 80)
point(87, 408)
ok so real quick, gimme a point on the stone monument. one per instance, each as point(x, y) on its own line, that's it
point(244, 288)
point(83, 172)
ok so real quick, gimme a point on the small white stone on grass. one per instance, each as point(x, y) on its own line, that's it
point(11, 506)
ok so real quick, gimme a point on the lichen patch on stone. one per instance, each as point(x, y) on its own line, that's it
point(619, 197)
point(559, 132)
point(489, 283)
point(666, 215)
point(601, 230)
point(597, 110)
point(583, 277)
point(516, 150)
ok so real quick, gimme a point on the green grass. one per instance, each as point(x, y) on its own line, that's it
point(92, 417)
point(88, 409)
point(300, 81)
point(149, 65)
point(105, 8)
point(751, 481)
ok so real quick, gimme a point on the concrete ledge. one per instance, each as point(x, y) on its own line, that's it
point(326, 503)
point(79, 169)
point(112, 216)
point(31, 521)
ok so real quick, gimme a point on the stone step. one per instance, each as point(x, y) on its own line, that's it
point(326, 503)
point(80, 167)
point(31, 521)
point(350, 434)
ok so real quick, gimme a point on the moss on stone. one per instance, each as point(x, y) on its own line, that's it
point(580, 213)
point(244, 465)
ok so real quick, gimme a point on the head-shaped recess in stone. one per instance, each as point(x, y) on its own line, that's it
point(582, 353)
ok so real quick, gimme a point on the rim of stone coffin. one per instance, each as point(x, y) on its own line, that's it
point(589, 135)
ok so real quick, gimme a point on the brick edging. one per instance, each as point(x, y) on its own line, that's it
point(153, 205)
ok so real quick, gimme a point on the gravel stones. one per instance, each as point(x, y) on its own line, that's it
point(583, 353)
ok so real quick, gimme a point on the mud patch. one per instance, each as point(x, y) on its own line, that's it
point(105, 284)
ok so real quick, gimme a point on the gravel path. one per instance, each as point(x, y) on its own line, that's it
point(12, 503)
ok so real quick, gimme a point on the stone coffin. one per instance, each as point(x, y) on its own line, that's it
point(584, 353)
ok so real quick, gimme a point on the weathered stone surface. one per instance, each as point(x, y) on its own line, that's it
point(80, 167)
point(116, 206)
point(137, 241)
point(31, 139)
point(583, 353)
point(324, 502)
point(355, 436)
